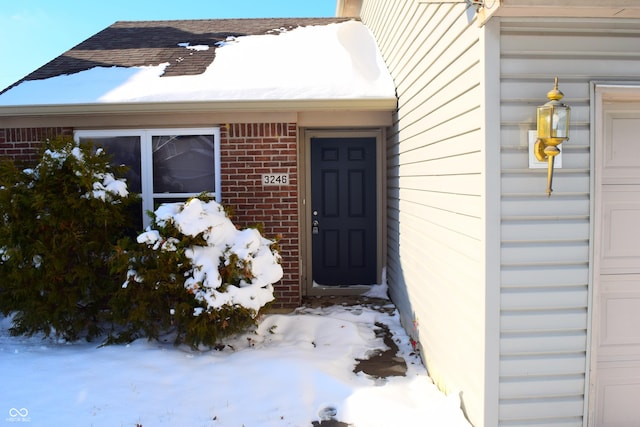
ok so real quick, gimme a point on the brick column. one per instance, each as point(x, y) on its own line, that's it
point(249, 150)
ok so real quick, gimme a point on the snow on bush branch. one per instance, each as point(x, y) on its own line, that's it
point(247, 258)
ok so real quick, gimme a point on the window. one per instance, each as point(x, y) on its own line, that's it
point(165, 165)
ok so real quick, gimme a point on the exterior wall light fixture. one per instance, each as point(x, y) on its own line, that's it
point(553, 130)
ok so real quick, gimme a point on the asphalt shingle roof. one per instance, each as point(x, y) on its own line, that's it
point(142, 43)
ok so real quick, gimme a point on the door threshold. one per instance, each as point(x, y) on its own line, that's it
point(320, 290)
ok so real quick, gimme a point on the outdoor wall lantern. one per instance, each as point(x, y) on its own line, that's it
point(553, 130)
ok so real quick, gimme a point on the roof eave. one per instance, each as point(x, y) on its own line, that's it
point(360, 104)
point(618, 9)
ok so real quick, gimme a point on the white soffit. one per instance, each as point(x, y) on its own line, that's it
point(566, 8)
point(348, 8)
point(550, 8)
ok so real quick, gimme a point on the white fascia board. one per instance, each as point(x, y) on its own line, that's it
point(362, 104)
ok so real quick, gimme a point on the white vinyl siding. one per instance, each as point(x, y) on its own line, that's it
point(442, 203)
point(545, 241)
point(436, 185)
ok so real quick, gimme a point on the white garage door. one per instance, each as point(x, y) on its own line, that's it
point(615, 375)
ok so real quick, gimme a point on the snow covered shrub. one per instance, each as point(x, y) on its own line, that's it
point(60, 221)
point(196, 275)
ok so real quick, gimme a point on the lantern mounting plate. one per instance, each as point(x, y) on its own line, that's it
point(534, 163)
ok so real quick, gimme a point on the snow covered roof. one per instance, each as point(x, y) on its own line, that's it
point(212, 60)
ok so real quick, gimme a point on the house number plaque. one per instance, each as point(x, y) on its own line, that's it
point(275, 179)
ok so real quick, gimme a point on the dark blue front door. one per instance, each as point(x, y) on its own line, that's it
point(344, 217)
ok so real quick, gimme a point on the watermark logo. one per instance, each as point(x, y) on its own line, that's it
point(18, 415)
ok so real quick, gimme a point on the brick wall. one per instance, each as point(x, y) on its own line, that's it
point(22, 144)
point(249, 150)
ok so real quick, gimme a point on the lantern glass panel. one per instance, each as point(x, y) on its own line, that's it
point(560, 122)
point(553, 121)
point(545, 113)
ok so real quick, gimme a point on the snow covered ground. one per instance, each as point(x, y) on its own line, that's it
point(296, 369)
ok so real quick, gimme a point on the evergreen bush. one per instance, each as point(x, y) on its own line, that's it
point(193, 274)
point(60, 221)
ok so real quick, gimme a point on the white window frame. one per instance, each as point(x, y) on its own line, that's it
point(146, 159)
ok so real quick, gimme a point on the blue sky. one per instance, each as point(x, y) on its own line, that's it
point(33, 32)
